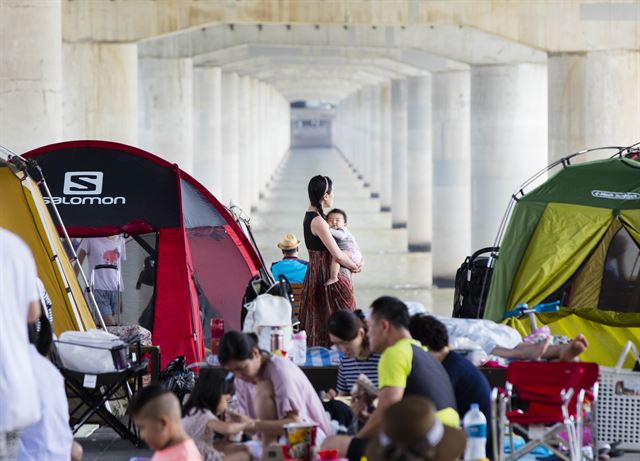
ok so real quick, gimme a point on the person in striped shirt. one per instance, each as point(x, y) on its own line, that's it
point(348, 332)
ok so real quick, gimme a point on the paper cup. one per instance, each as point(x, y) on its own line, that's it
point(301, 439)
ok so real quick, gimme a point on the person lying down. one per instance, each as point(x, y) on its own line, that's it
point(488, 340)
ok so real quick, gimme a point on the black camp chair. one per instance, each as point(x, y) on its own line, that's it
point(95, 391)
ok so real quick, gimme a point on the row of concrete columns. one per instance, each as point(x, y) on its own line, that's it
point(229, 131)
point(462, 141)
point(458, 142)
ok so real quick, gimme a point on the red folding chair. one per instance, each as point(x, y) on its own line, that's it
point(553, 395)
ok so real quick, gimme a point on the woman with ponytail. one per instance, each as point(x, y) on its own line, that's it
point(318, 300)
point(348, 332)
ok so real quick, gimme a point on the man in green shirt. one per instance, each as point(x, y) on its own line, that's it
point(405, 368)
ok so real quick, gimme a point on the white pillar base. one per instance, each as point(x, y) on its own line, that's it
point(451, 174)
point(100, 92)
point(419, 163)
point(31, 74)
point(207, 100)
point(594, 101)
point(508, 139)
point(166, 116)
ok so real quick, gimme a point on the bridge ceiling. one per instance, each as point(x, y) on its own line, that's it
point(336, 61)
point(448, 46)
point(335, 72)
point(406, 60)
point(233, 59)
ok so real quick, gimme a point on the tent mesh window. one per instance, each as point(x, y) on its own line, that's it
point(620, 290)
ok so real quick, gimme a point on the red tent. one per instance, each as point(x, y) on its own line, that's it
point(203, 260)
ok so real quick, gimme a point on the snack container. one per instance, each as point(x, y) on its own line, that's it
point(301, 440)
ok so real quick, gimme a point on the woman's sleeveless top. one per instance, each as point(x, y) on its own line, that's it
point(312, 242)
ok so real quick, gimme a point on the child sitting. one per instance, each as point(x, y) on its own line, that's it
point(337, 220)
point(202, 417)
point(156, 412)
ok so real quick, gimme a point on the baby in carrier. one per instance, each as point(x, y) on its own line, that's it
point(337, 220)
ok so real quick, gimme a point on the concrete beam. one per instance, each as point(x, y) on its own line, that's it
point(409, 61)
point(552, 25)
point(388, 67)
point(286, 67)
point(457, 43)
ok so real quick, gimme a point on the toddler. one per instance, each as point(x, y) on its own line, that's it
point(156, 412)
point(202, 417)
point(337, 220)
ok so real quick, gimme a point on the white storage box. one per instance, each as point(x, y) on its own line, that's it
point(93, 351)
point(618, 408)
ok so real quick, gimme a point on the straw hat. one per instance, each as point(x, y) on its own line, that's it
point(289, 242)
point(414, 419)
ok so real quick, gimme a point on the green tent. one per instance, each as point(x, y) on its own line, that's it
point(576, 238)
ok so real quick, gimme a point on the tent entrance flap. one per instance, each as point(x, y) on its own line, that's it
point(564, 237)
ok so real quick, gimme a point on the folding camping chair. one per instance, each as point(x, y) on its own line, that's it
point(296, 294)
point(95, 390)
point(554, 394)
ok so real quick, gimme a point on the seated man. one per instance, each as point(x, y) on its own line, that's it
point(469, 384)
point(405, 369)
point(290, 266)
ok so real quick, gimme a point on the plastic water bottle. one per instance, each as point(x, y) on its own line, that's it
point(299, 355)
point(475, 425)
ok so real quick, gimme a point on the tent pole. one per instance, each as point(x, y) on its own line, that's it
point(74, 259)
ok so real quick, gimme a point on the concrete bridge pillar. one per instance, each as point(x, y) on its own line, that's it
point(261, 136)
point(207, 119)
point(356, 127)
point(230, 165)
point(366, 140)
point(373, 156)
point(30, 74)
point(100, 92)
point(355, 130)
point(399, 168)
point(594, 100)
point(165, 123)
point(274, 131)
point(419, 157)
point(244, 142)
point(351, 131)
point(254, 113)
point(270, 138)
point(508, 139)
point(285, 126)
point(451, 174)
point(385, 147)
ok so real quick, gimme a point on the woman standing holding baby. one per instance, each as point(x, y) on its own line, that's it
point(319, 300)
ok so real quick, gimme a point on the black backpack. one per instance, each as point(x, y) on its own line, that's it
point(473, 280)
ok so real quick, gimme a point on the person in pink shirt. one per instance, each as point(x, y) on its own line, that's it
point(156, 412)
point(272, 391)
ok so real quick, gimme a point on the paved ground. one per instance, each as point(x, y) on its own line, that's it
point(105, 445)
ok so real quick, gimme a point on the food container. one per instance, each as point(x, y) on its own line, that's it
point(301, 440)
